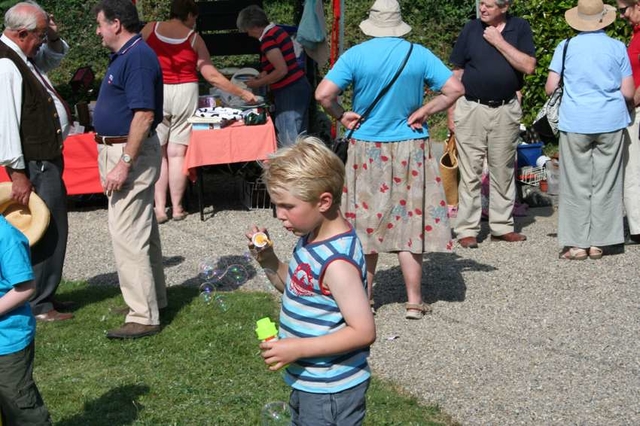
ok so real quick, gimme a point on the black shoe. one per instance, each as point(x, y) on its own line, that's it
point(66, 305)
point(632, 239)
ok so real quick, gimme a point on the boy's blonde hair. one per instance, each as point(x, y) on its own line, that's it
point(306, 169)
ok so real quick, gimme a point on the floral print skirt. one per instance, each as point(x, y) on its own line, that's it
point(393, 197)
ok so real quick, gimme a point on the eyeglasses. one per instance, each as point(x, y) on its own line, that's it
point(623, 10)
point(42, 35)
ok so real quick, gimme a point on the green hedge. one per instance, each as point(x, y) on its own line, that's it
point(436, 24)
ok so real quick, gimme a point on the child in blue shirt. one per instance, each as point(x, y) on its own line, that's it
point(326, 324)
point(20, 400)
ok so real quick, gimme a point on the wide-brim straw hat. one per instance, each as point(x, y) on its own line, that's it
point(31, 220)
point(590, 15)
point(385, 20)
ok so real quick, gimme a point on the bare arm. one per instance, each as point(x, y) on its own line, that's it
point(146, 30)
point(636, 97)
point(327, 94)
point(345, 284)
point(457, 73)
point(279, 70)
point(553, 79)
point(214, 77)
point(54, 42)
point(449, 93)
point(628, 89)
point(17, 296)
point(138, 131)
point(519, 60)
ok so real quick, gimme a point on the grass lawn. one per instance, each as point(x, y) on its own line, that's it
point(202, 369)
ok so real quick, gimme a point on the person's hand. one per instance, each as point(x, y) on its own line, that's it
point(418, 117)
point(21, 188)
point(259, 253)
point(280, 353)
point(116, 178)
point(249, 97)
point(52, 29)
point(350, 120)
point(253, 83)
point(493, 35)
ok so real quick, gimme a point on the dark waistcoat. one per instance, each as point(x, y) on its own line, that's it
point(40, 132)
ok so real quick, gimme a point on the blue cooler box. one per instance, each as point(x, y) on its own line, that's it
point(528, 154)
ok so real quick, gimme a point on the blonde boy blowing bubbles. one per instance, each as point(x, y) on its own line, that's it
point(326, 325)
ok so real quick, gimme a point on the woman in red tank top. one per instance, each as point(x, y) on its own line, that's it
point(182, 53)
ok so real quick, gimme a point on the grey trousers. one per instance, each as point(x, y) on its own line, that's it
point(590, 199)
point(47, 255)
point(482, 132)
point(134, 232)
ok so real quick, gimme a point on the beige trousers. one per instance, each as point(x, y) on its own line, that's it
point(631, 159)
point(134, 232)
point(491, 133)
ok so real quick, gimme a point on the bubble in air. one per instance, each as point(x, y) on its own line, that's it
point(275, 414)
point(224, 273)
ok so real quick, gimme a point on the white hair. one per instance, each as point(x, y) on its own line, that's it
point(24, 15)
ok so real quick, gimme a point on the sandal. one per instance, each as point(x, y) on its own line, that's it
point(162, 219)
point(595, 253)
point(372, 305)
point(574, 253)
point(179, 217)
point(416, 311)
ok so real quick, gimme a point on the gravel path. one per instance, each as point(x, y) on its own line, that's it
point(517, 336)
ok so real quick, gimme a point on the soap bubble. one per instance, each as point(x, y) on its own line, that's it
point(223, 273)
point(275, 414)
point(206, 268)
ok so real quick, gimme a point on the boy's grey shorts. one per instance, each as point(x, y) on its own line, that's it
point(344, 408)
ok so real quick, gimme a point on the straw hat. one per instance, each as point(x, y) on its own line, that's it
point(590, 15)
point(385, 20)
point(31, 220)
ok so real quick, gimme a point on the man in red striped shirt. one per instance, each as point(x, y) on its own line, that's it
point(280, 71)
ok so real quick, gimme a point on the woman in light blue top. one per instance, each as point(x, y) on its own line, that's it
point(598, 84)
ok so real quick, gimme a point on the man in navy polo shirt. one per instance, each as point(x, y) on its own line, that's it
point(490, 57)
point(128, 109)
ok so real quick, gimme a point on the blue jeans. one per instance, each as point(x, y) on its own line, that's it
point(346, 408)
point(292, 111)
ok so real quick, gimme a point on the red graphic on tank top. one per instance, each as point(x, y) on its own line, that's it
point(302, 280)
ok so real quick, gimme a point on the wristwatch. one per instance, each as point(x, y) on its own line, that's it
point(126, 158)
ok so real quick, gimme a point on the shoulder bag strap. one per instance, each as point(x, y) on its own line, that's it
point(383, 91)
point(564, 55)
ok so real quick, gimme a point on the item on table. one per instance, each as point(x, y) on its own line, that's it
point(221, 112)
point(254, 116)
point(208, 101)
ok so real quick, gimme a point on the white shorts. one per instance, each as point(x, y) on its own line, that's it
point(180, 102)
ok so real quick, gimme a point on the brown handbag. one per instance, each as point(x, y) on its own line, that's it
point(449, 171)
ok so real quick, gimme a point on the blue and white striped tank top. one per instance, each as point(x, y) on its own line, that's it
point(309, 310)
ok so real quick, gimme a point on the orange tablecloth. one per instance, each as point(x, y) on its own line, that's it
point(234, 144)
point(80, 174)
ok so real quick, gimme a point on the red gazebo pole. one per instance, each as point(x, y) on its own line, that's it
point(335, 46)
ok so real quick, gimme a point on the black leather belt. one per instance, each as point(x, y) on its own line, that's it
point(489, 103)
point(113, 140)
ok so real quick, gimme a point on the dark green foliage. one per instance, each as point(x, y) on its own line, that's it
point(435, 23)
point(549, 28)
